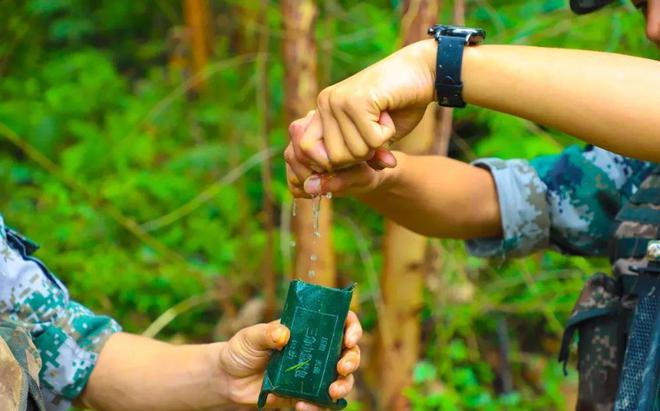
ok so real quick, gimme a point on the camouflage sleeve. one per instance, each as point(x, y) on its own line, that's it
point(566, 201)
point(67, 335)
point(524, 210)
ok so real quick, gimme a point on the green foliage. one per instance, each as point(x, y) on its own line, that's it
point(93, 86)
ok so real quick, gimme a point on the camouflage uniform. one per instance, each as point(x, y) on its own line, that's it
point(67, 335)
point(566, 202)
point(579, 202)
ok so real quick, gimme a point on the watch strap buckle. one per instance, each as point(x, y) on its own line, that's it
point(449, 93)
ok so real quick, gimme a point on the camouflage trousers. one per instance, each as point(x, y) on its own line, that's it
point(19, 370)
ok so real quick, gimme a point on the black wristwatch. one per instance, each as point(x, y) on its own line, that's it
point(451, 41)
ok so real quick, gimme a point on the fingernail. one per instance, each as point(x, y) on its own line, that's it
point(313, 185)
point(279, 335)
point(389, 161)
point(381, 164)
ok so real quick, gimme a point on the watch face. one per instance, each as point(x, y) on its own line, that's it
point(471, 35)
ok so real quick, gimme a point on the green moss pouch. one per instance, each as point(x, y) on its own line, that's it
point(307, 366)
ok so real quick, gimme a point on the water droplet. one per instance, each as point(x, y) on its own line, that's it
point(292, 243)
point(311, 273)
point(328, 195)
point(316, 212)
point(313, 257)
point(293, 208)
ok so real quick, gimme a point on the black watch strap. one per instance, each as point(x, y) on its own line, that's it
point(448, 84)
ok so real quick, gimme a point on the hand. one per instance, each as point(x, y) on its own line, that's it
point(380, 104)
point(304, 182)
point(244, 357)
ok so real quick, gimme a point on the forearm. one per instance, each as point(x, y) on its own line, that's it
point(438, 197)
point(137, 373)
point(610, 100)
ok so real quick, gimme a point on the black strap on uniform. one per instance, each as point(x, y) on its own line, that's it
point(630, 247)
point(639, 383)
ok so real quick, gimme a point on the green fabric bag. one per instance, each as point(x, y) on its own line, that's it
point(307, 366)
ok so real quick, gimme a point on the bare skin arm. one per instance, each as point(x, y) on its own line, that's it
point(458, 201)
point(606, 99)
point(138, 373)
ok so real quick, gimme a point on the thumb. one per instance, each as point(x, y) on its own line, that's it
point(349, 180)
point(383, 158)
point(248, 351)
point(262, 338)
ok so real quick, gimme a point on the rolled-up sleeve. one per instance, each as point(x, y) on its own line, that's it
point(523, 207)
point(566, 201)
point(68, 336)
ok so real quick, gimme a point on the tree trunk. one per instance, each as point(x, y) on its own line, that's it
point(404, 252)
point(198, 23)
point(301, 89)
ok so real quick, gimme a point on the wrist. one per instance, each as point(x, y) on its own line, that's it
point(392, 178)
point(425, 51)
point(218, 374)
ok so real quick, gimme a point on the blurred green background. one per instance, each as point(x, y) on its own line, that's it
point(101, 136)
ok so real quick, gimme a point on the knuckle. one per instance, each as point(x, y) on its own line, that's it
point(295, 128)
point(354, 104)
point(323, 99)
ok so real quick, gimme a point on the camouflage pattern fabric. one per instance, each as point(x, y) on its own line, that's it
point(567, 201)
point(67, 335)
point(573, 202)
point(600, 322)
point(19, 364)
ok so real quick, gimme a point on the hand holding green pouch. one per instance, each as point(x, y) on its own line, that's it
point(307, 365)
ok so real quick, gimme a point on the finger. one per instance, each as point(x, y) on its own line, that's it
point(349, 180)
point(342, 387)
point(297, 173)
point(303, 406)
point(375, 165)
point(313, 185)
point(338, 152)
point(353, 330)
point(349, 362)
point(383, 158)
point(310, 146)
point(297, 191)
point(375, 127)
point(352, 138)
point(296, 132)
point(291, 177)
point(273, 401)
point(263, 338)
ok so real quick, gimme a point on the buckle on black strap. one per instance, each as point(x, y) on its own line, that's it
point(449, 94)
